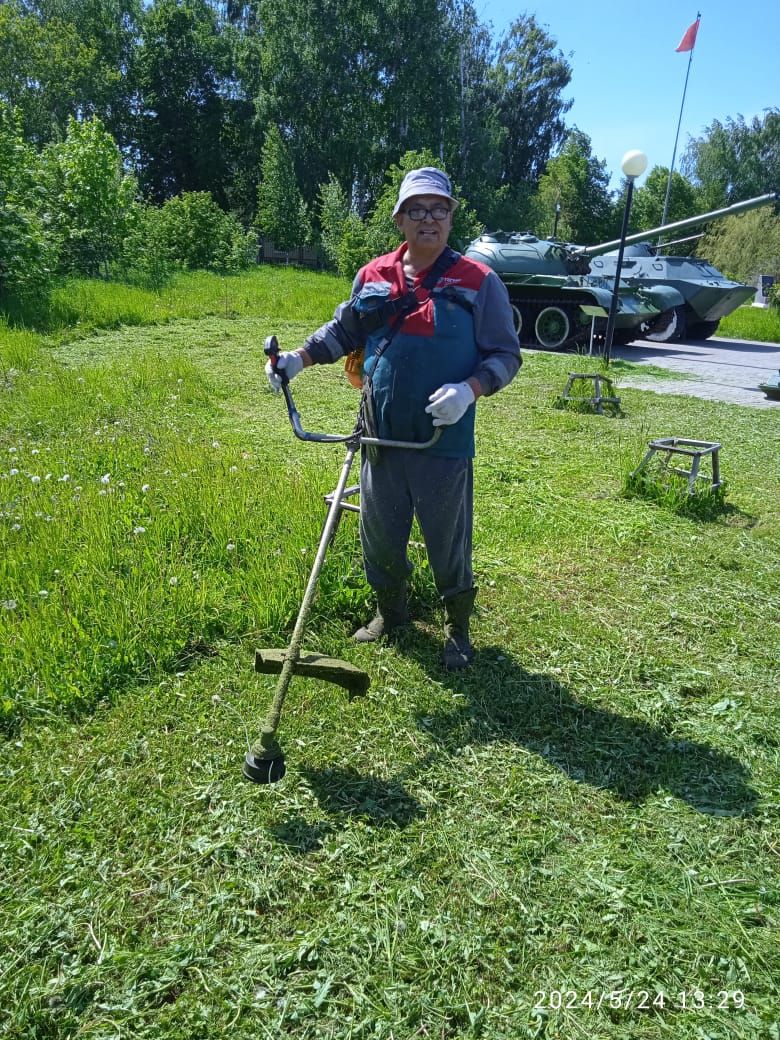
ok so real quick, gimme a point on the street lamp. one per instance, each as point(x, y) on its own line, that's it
point(633, 165)
point(555, 222)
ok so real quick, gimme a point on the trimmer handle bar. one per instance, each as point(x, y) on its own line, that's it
point(271, 351)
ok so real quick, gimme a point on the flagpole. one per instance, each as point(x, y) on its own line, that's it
point(679, 123)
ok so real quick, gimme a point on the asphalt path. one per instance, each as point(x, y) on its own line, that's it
point(715, 369)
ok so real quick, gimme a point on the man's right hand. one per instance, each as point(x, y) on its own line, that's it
point(290, 362)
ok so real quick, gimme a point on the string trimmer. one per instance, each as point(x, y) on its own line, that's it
point(265, 763)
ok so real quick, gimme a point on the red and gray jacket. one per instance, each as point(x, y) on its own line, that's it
point(461, 328)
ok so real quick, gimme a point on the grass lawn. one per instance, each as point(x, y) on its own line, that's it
point(577, 838)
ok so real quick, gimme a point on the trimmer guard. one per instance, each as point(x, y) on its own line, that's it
point(316, 666)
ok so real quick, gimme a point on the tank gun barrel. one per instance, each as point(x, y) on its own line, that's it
point(681, 225)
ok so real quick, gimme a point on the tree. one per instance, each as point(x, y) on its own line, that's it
point(736, 160)
point(281, 211)
point(475, 155)
point(194, 233)
point(179, 70)
point(579, 183)
point(333, 212)
point(354, 85)
point(24, 255)
point(745, 245)
point(319, 80)
point(528, 77)
point(61, 58)
point(89, 198)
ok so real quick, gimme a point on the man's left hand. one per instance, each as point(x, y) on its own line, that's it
point(449, 403)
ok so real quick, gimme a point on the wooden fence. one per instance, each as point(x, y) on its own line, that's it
point(304, 256)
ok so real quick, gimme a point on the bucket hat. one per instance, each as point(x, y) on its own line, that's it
point(425, 181)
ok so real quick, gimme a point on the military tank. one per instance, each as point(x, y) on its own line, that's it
point(556, 302)
point(561, 293)
point(708, 295)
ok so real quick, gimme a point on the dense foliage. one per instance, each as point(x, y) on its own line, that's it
point(746, 245)
point(293, 118)
point(24, 260)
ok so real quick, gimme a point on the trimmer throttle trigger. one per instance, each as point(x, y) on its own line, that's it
point(271, 351)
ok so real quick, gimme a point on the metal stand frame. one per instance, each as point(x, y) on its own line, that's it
point(692, 449)
point(598, 400)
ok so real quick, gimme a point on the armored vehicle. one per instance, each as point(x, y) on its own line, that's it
point(708, 295)
point(556, 302)
point(561, 293)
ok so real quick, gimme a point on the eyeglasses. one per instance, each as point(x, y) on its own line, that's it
point(438, 212)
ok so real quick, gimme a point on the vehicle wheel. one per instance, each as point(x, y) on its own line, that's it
point(703, 329)
point(517, 317)
point(552, 327)
point(669, 325)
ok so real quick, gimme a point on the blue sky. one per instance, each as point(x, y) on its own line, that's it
point(627, 81)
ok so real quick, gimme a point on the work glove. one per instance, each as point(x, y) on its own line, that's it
point(290, 361)
point(449, 403)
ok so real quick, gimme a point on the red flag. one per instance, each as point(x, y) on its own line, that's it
point(688, 42)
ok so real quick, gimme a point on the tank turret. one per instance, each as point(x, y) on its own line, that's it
point(561, 293)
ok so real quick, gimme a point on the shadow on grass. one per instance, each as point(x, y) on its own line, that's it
point(299, 835)
point(345, 792)
point(704, 505)
point(499, 700)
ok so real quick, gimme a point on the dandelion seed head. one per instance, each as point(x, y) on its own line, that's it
point(231, 546)
point(13, 471)
point(35, 479)
point(173, 581)
point(43, 593)
point(139, 530)
point(106, 478)
point(145, 488)
point(8, 604)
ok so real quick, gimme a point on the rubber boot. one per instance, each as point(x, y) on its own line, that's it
point(391, 613)
point(458, 651)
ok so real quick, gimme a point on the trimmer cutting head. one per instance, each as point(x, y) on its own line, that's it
point(264, 770)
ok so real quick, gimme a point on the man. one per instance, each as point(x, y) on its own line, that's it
point(438, 334)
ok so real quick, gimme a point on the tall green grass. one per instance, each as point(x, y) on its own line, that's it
point(129, 533)
point(80, 305)
point(758, 323)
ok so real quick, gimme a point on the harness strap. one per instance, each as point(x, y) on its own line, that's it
point(392, 312)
